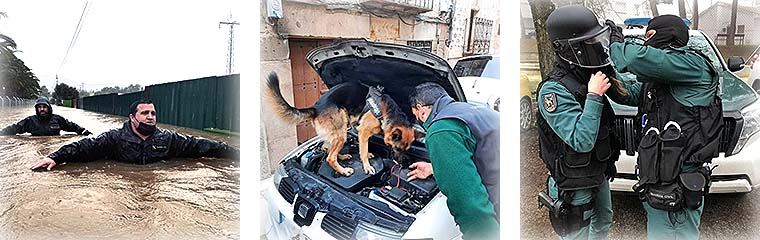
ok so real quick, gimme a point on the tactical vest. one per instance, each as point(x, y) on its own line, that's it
point(674, 134)
point(573, 170)
point(484, 126)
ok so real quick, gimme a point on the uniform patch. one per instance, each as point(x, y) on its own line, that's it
point(550, 102)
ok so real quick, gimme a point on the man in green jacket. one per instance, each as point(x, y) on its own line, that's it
point(577, 144)
point(677, 94)
point(463, 144)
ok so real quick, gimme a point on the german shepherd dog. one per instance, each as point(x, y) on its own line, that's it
point(341, 108)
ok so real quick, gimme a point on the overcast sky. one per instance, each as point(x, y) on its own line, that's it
point(120, 43)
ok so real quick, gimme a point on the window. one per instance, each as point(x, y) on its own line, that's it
point(480, 31)
point(740, 29)
point(478, 67)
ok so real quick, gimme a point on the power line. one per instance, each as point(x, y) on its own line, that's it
point(74, 38)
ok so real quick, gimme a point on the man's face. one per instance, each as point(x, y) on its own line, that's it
point(421, 112)
point(146, 113)
point(42, 110)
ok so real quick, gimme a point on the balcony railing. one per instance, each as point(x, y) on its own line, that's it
point(402, 7)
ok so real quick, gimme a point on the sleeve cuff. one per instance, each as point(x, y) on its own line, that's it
point(594, 102)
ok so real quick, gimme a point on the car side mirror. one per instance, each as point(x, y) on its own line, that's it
point(735, 63)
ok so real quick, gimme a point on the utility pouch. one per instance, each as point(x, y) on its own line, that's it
point(668, 197)
point(648, 156)
point(693, 188)
point(571, 219)
point(673, 143)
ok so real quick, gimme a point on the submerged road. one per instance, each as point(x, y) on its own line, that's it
point(175, 199)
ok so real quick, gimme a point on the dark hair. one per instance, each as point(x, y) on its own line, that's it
point(133, 107)
point(426, 94)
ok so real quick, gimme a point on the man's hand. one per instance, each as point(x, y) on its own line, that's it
point(598, 84)
point(616, 32)
point(45, 162)
point(421, 170)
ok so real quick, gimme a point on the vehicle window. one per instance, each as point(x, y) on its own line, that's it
point(470, 67)
point(492, 69)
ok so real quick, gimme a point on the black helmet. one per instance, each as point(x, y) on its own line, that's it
point(577, 36)
point(43, 101)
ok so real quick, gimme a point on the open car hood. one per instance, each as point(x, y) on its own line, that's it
point(397, 68)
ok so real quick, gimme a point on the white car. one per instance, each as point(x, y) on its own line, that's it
point(738, 164)
point(754, 66)
point(479, 77)
point(305, 197)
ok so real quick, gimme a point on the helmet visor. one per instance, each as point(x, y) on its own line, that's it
point(590, 51)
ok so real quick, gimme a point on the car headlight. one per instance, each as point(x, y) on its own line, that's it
point(750, 126)
point(279, 174)
point(367, 231)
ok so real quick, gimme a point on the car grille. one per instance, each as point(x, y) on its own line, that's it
point(337, 227)
point(287, 189)
point(629, 138)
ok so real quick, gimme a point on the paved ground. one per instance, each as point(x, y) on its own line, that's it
point(726, 216)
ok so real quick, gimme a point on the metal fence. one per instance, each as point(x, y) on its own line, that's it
point(203, 103)
point(9, 102)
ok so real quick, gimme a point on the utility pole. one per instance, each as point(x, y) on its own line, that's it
point(230, 44)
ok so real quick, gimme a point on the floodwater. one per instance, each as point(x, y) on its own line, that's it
point(104, 199)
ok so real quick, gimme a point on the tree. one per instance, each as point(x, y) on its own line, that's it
point(116, 89)
point(84, 93)
point(65, 92)
point(682, 9)
point(132, 88)
point(653, 7)
point(44, 92)
point(732, 25)
point(16, 78)
point(541, 10)
point(695, 15)
point(599, 7)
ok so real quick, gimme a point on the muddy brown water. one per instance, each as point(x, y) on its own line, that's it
point(104, 199)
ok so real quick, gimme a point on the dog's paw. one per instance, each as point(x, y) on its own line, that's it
point(370, 155)
point(368, 169)
point(344, 156)
point(346, 171)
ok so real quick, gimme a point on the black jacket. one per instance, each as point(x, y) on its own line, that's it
point(39, 127)
point(123, 145)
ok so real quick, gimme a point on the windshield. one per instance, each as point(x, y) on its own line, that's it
point(478, 67)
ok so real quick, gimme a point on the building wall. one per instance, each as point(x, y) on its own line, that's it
point(713, 20)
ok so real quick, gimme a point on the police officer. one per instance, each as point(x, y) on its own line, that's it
point(576, 139)
point(43, 123)
point(463, 143)
point(677, 93)
point(139, 141)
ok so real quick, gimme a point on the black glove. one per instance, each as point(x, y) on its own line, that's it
point(610, 172)
point(616, 32)
point(86, 132)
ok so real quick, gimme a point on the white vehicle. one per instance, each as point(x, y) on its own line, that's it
point(738, 164)
point(754, 72)
point(479, 77)
point(306, 198)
